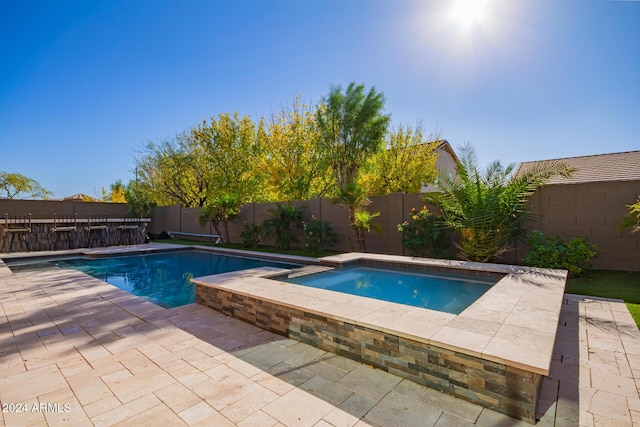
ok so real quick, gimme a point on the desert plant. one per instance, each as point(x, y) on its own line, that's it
point(250, 234)
point(554, 252)
point(487, 208)
point(281, 223)
point(363, 224)
point(426, 235)
point(318, 235)
point(221, 210)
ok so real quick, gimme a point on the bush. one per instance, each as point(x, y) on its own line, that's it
point(250, 234)
point(554, 252)
point(281, 223)
point(318, 235)
point(426, 235)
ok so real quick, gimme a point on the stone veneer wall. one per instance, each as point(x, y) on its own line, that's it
point(42, 239)
point(496, 386)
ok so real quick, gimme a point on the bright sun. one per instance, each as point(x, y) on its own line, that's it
point(469, 13)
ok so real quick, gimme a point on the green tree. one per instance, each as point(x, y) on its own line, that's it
point(363, 224)
point(295, 166)
point(352, 127)
point(116, 193)
point(176, 170)
point(220, 211)
point(14, 185)
point(487, 208)
point(215, 157)
point(229, 146)
point(405, 165)
point(139, 198)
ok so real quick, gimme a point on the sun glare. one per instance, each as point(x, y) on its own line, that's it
point(469, 13)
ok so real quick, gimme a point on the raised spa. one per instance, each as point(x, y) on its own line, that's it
point(442, 291)
point(494, 352)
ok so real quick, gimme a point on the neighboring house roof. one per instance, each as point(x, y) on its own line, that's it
point(444, 145)
point(82, 198)
point(623, 166)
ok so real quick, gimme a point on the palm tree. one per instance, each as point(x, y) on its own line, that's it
point(352, 128)
point(487, 208)
point(281, 223)
point(363, 224)
point(220, 211)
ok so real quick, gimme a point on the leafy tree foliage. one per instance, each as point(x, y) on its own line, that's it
point(229, 146)
point(352, 127)
point(487, 208)
point(116, 193)
point(220, 211)
point(15, 185)
point(176, 170)
point(293, 162)
point(215, 157)
point(139, 198)
point(407, 162)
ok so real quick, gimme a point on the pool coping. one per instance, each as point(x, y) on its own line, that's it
point(513, 323)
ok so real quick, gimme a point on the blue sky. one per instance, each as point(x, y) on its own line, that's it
point(84, 84)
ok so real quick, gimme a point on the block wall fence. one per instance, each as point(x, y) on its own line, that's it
point(591, 210)
point(394, 209)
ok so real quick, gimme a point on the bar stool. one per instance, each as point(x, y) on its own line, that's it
point(17, 226)
point(63, 224)
point(129, 228)
point(97, 224)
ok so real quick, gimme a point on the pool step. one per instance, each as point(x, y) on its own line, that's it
point(308, 269)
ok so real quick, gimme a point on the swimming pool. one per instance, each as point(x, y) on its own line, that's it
point(442, 291)
point(162, 278)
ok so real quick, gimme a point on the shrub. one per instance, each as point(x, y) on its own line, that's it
point(632, 219)
point(250, 234)
point(554, 252)
point(281, 223)
point(426, 235)
point(318, 235)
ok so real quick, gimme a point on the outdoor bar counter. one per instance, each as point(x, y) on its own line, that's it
point(45, 234)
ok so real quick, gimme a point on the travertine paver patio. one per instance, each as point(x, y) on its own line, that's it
point(114, 359)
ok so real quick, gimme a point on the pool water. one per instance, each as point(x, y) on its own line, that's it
point(448, 292)
point(161, 278)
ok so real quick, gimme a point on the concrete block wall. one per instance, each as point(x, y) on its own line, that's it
point(394, 209)
point(591, 210)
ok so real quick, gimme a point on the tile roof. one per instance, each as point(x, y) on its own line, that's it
point(623, 166)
